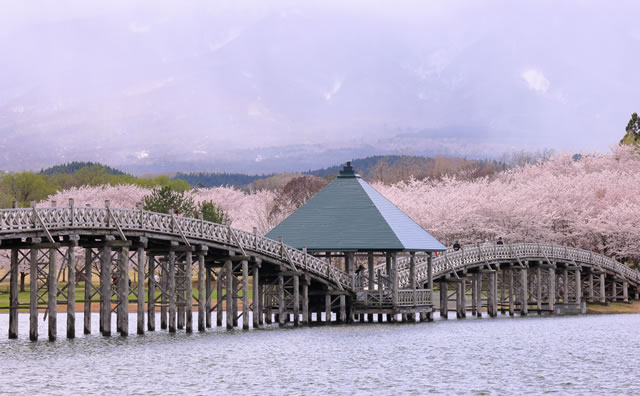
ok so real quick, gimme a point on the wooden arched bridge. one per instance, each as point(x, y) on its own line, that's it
point(241, 272)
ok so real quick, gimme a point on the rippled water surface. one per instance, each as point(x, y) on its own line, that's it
point(565, 355)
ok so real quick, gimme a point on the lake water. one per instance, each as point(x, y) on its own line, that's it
point(586, 354)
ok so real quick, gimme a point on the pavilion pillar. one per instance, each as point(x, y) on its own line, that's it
point(372, 275)
point(394, 278)
point(430, 271)
point(388, 269)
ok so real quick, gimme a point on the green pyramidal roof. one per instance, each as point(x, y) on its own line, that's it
point(350, 215)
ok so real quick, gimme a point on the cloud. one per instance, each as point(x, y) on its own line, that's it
point(337, 84)
point(139, 28)
point(142, 154)
point(536, 80)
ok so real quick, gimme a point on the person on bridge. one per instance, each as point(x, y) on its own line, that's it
point(456, 246)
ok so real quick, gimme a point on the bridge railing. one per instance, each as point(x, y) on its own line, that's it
point(82, 217)
point(451, 260)
point(408, 298)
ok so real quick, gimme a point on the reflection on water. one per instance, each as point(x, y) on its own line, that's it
point(568, 355)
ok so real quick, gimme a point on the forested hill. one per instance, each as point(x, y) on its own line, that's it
point(73, 167)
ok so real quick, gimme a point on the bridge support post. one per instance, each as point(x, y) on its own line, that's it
point(236, 296)
point(590, 287)
point(296, 300)
point(105, 295)
point(219, 297)
point(164, 283)
point(552, 288)
point(493, 294)
point(151, 294)
point(88, 286)
point(189, 294)
point(203, 293)
point(53, 295)
point(603, 293)
point(625, 291)
point(343, 309)
point(327, 308)
point(578, 287)
point(539, 288)
point(281, 303)
point(444, 299)
point(71, 291)
point(172, 291)
point(460, 299)
point(33, 295)
point(503, 297)
point(123, 292)
point(140, 307)
point(260, 300)
point(181, 279)
point(305, 303)
point(565, 286)
point(614, 291)
point(229, 293)
point(245, 295)
point(13, 296)
point(257, 306)
point(524, 284)
point(474, 302)
point(512, 303)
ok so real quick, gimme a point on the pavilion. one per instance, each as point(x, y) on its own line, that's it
point(349, 220)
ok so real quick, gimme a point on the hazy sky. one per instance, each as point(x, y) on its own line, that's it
point(249, 86)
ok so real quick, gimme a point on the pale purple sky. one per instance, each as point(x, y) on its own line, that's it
point(262, 86)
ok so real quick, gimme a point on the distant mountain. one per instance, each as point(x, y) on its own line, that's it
point(73, 167)
point(216, 179)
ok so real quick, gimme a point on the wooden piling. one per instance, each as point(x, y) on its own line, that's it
point(603, 294)
point(578, 287)
point(590, 287)
point(524, 306)
point(327, 308)
point(189, 292)
point(245, 294)
point(53, 295)
point(141, 277)
point(552, 288)
point(33, 295)
point(151, 294)
point(219, 298)
point(305, 303)
point(625, 291)
point(281, 303)
point(203, 293)
point(565, 286)
point(296, 300)
point(260, 303)
point(444, 299)
point(459, 300)
point(343, 310)
point(105, 291)
point(512, 303)
point(164, 299)
point(235, 293)
point(88, 289)
point(123, 291)
point(228, 268)
point(256, 297)
point(71, 295)
point(171, 279)
point(13, 295)
point(492, 302)
point(503, 291)
point(463, 297)
point(539, 288)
